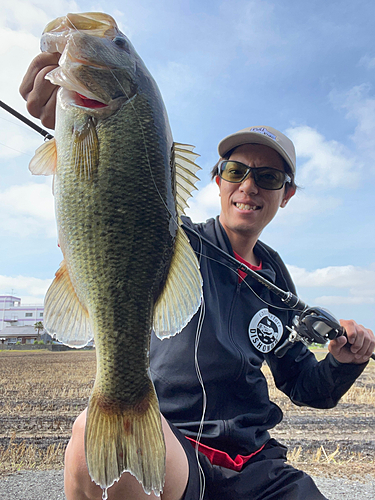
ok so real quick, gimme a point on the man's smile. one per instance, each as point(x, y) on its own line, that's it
point(246, 207)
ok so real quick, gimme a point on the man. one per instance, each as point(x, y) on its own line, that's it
point(211, 371)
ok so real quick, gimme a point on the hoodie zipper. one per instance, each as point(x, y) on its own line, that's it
point(230, 330)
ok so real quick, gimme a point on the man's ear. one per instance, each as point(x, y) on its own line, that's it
point(287, 195)
point(218, 180)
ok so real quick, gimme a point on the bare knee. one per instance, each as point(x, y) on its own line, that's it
point(177, 466)
point(77, 482)
point(79, 486)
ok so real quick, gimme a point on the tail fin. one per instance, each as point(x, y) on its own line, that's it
point(125, 441)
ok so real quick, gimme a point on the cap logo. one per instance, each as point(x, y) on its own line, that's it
point(264, 131)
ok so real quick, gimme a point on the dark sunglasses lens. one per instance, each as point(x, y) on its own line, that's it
point(232, 171)
point(264, 177)
point(269, 178)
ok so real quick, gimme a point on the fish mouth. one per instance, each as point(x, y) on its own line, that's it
point(89, 103)
point(67, 80)
point(85, 102)
point(94, 71)
point(76, 93)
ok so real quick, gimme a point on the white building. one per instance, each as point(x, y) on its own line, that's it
point(17, 321)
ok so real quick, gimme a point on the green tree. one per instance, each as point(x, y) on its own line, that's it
point(38, 326)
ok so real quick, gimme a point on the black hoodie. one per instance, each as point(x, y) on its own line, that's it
point(242, 324)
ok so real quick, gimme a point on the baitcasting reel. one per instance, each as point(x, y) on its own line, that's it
point(313, 325)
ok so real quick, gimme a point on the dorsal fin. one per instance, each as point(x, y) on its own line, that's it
point(185, 174)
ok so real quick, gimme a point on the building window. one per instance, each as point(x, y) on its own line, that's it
point(40, 315)
point(28, 315)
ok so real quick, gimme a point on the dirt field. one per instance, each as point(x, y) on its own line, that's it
point(42, 392)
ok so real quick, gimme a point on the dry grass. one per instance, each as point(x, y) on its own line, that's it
point(335, 442)
point(42, 392)
point(18, 456)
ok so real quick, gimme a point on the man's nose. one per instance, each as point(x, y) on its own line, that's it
point(248, 185)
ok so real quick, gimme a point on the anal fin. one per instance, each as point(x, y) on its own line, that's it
point(64, 315)
point(182, 293)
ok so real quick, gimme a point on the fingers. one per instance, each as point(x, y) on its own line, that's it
point(41, 61)
point(40, 93)
point(335, 347)
point(361, 340)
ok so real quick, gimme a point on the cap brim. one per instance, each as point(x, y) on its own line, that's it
point(241, 138)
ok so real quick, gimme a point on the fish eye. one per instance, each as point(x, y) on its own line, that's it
point(121, 42)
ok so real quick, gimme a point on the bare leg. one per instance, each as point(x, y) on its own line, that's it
point(79, 486)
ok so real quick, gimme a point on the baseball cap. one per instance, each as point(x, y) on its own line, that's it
point(265, 135)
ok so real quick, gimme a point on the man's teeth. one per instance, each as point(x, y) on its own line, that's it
point(242, 206)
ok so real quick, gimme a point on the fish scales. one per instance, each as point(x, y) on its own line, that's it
point(130, 254)
point(125, 257)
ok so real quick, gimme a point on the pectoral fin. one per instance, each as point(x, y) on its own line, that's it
point(64, 314)
point(182, 293)
point(45, 159)
point(85, 148)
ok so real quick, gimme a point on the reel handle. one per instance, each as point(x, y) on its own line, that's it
point(284, 348)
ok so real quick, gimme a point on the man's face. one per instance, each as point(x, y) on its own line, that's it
point(246, 208)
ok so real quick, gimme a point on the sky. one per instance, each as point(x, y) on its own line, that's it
point(307, 69)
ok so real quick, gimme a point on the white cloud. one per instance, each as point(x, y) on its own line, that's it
point(329, 163)
point(29, 289)
point(33, 15)
point(359, 103)
point(303, 207)
point(15, 140)
point(204, 204)
point(333, 300)
point(359, 282)
point(28, 210)
point(336, 276)
point(11, 39)
point(367, 61)
point(21, 26)
point(17, 49)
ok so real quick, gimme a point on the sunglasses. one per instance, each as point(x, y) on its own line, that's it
point(264, 177)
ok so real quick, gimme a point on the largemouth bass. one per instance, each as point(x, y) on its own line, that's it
point(120, 185)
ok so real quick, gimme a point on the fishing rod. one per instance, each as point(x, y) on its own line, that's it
point(288, 298)
point(25, 120)
point(311, 325)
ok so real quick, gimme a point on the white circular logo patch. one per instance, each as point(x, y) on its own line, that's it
point(265, 330)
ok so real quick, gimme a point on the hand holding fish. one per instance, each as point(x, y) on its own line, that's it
point(40, 93)
point(357, 347)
